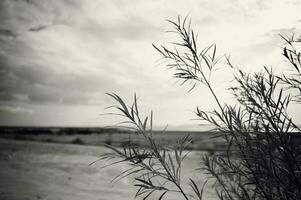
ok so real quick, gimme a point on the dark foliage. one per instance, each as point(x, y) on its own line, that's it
point(77, 141)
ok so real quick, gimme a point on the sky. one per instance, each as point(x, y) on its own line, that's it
point(58, 59)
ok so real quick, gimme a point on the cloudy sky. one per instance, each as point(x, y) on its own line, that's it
point(59, 58)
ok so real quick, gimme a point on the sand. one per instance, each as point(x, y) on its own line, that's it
point(34, 170)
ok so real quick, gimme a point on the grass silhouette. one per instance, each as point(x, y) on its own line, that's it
point(263, 155)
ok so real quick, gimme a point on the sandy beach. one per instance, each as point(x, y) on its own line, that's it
point(35, 170)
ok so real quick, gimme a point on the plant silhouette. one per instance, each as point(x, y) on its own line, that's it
point(263, 155)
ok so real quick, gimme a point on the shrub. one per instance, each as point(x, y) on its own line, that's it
point(77, 141)
point(48, 140)
point(263, 155)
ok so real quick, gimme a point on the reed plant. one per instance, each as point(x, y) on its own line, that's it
point(263, 155)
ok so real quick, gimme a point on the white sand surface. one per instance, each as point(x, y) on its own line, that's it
point(35, 170)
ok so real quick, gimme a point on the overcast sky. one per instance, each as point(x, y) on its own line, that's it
point(59, 58)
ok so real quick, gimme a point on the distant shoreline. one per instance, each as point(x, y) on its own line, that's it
point(109, 136)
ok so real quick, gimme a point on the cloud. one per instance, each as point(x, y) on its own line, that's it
point(44, 85)
point(68, 53)
point(84, 57)
point(7, 33)
point(15, 110)
point(38, 28)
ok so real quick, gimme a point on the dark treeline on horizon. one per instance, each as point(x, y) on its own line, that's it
point(78, 130)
